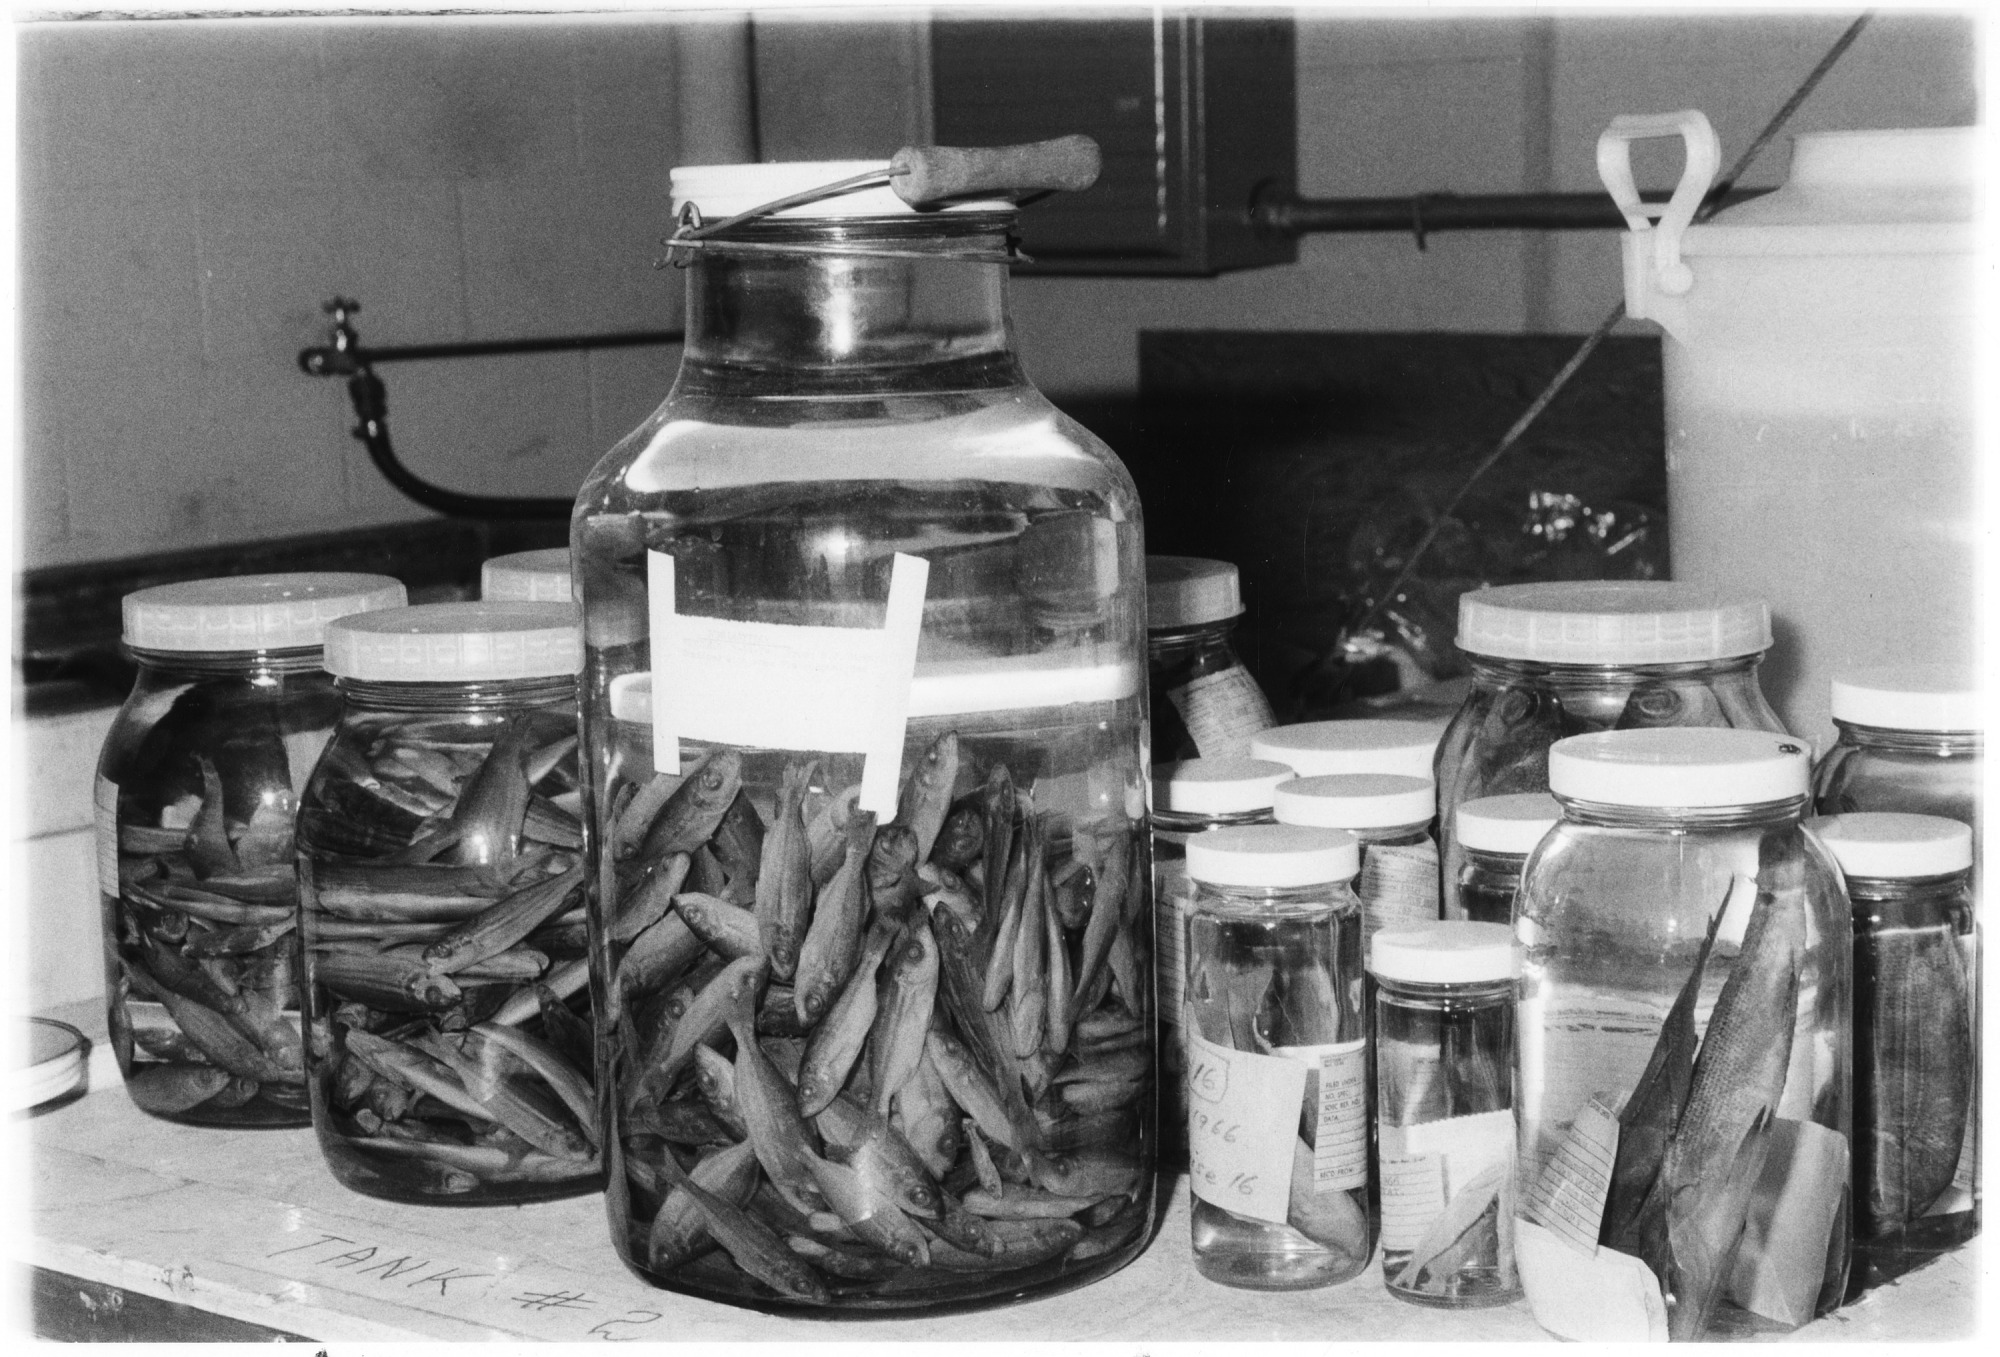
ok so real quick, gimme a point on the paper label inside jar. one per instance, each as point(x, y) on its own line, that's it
point(106, 800)
point(1568, 1196)
point(1425, 1166)
point(1243, 1121)
point(1222, 711)
point(775, 686)
point(1398, 885)
point(1336, 1111)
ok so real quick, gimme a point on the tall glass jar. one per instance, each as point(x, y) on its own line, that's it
point(1391, 814)
point(1910, 740)
point(1495, 836)
point(441, 915)
point(1188, 798)
point(1554, 660)
point(1916, 1035)
point(196, 788)
point(1277, 1083)
point(1363, 745)
point(527, 577)
point(890, 606)
point(1685, 1018)
point(1444, 1079)
point(1204, 702)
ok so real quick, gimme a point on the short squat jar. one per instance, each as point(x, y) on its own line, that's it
point(1391, 814)
point(1205, 704)
point(1553, 660)
point(1188, 798)
point(1444, 1080)
point(1277, 1083)
point(1911, 740)
point(1916, 1035)
point(196, 789)
point(1495, 836)
point(1686, 1018)
point(442, 909)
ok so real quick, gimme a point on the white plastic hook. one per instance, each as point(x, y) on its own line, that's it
point(1614, 166)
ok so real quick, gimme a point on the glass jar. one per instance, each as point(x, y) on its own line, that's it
point(1390, 813)
point(1910, 740)
point(1363, 745)
point(1916, 1035)
point(1554, 660)
point(1188, 798)
point(441, 909)
point(196, 788)
point(1685, 1018)
point(527, 577)
point(1495, 836)
point(886, 605)
point(1204, 702)
point(1444, 1111)
point(1277, 1083)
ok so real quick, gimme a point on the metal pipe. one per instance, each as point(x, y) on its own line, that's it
point(330, 360)
point(1278, 209)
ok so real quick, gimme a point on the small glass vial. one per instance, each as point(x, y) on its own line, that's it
point(1364, 745)
point(1911, 740)
point(1204, 702)
point(1916, 1035)
point(1188, 798)
point(527, 577)
point(1497, 833)
point(442, 909)
point(1391, 814)
point(1277, 1080)
point(196, 789)
point(1444, 1113)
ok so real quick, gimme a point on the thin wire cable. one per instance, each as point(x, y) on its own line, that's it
point(1710, 205)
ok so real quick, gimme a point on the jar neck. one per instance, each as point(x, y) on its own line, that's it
point(1190, 822)
point(1941, 743)
point(837, 325)
point(490, 695)
point(1488, 670)
point(1495, 862)
point(1169, 646)
point(243, 664)
point(1468, 991)
point(1682, 818)
point(1325, 897)
point(1394, 835)
point(1913, 888)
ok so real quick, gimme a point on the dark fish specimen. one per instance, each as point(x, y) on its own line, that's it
point(833, 940)
point(784, 880)
point(493, 805)
point(695, 808)
point(927, 792)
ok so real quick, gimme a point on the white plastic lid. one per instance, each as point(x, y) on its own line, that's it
point(1216, 786)
point(1610, 622)
point(457, 643)
point(1679, 767)
point(1273, 855)
point(252, 612)
point(1886, 844)
point(1909, 697)
point(1506, 824)
point(724, 190)
point(527, 577)
point(1367, 745)
point(1187, 591)
point(1455, 952)
point(1356, 800)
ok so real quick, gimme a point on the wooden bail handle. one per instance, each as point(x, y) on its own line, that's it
point(930, 174)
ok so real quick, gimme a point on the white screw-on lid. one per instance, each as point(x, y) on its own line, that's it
point(1887, 844)
point(725, 190)
point(252, 612)
point(1506, 824)
point(1273, 855)
point(1187, 591)
point(527, 576)
point(1367, 745)
point(457, 643)
point(1909, 697)
point(1356, 800)
point(1679, 767)
point(1610, 622)
point(1216, 786)
point(1457, 952)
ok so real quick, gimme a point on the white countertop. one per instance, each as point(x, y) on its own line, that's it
point(250, 1224)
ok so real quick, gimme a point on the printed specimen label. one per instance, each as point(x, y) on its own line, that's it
point(1222, 711)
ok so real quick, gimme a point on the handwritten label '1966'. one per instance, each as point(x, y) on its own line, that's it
point(1243, 1118)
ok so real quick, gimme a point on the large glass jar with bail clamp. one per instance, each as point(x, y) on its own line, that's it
point(1684, 1047)
point(1553, 660)
point(865, 704)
